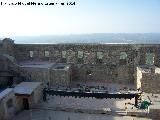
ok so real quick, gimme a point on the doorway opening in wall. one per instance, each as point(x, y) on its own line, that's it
point(10, 81)
point(25, 104)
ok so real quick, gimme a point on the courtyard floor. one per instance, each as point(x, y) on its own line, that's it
point(70, 108)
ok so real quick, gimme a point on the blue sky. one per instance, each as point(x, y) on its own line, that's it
point(87, 16)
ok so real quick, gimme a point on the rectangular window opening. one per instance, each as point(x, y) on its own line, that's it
point(80, 56)
point(46, 53)
point(31, 53)
point(99, 57)
point(123, 58)
point(150, 58)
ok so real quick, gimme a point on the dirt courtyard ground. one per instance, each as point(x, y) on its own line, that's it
point(64, 108)
point(70, 108)
point(61, 115)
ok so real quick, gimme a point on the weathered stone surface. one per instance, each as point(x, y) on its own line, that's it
point(148, 78)
point(109, 69)
point(7, 104)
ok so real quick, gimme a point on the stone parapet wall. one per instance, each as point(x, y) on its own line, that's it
point(150, 83)
point(36, 74)
point(7, 104)
point(111, 54)
point(47, 75)
point(123, 71)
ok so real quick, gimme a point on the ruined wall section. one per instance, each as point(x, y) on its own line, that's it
point(35, 74)
point(56, 75)
point(144, 49)
point(7, 104)
point(110, 69)
point(151, 83)
point(7, 46)
point(150, 79)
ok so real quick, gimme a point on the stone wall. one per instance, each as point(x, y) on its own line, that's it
point(150, 81)
point(103, 73)
point(7, 46)
point(111, 53)
point(7, 66)
point(35, 74)
point(33, 99)
point(60, 77)
point(52, 75)
point(7, 104)
point(101, 69)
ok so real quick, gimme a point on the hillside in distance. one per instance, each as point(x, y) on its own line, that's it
point(101, 38)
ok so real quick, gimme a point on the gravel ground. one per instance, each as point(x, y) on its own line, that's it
point(60, 115)
point(85, 103)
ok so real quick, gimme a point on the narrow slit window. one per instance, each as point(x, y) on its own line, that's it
point(31, 53)
point(149, 58)
point(46, 53)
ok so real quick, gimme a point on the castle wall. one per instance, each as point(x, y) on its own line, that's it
point(36, 74)
point(107, 70)
point(150, 83)
point(148, 79)
point(7, 46)
point(110, 68)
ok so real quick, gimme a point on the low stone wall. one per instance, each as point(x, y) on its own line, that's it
point(7, 104)
point(38, 95)
point(151, 83)
point(48, 75)
point(35, 74)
